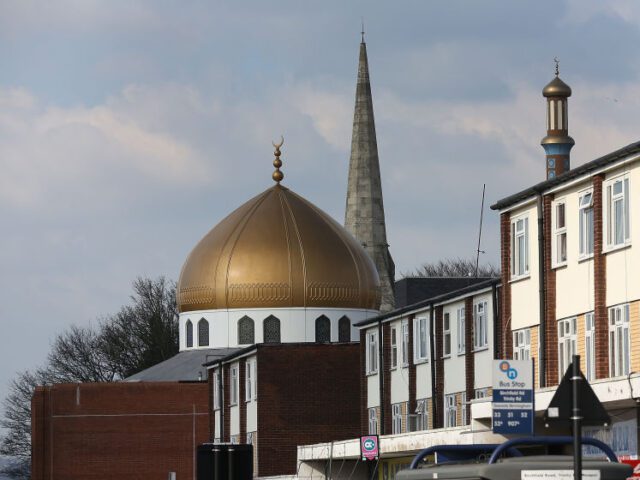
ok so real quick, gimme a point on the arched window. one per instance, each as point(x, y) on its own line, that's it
point(323, 329)
point(203, 333)
point(271, 332)
point(344, 329)
point(189, 333)
point(246, 329)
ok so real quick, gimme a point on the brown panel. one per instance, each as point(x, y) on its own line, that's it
point(505, 340)
point(600, 283)
point(551, 323)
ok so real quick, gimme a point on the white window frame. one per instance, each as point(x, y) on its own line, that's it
point(482, 392)
point(619, 341)
point(460, 326)
point(520, 251)
point(234, 384)
point(446, 335)
point(480, 326)
point(567, 344)
point(394, 347)
point(522, 344)
point(216, 390)
point(250, 438)
point(463, 401)
point(422, 414)
point(611, 200)
point(404, 327)
point(372, 352)
point(590, 345)
point(421, 339)
point(585, 225)
point(250, 381)
point(559, 223)
point(450, 410)
point(396, 418)
point(373, 421)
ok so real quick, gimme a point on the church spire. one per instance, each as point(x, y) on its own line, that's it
point(364, 217)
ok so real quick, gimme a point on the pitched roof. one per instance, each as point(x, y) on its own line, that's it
point(569, 175)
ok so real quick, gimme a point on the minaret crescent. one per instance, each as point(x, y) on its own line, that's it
point(364, 215)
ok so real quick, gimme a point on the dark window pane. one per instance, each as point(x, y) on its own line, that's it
point(203, 333)
point(189, 330)
point(246, 331)
point(271, 330)
point(323, 329)
point(344, 330)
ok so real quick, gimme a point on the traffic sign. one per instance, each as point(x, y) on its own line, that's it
point(513, 400)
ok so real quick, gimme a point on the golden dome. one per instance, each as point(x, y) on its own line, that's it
point(556, 88)
point(276, 251)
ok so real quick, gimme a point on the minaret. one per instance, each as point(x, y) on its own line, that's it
point(364, 217)
point(557, 144)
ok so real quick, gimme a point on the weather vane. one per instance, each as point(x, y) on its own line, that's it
point(555, 59)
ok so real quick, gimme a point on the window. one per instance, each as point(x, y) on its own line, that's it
point(394, 347)
point(344, 329)
point(482, 393)
point(233, 385)
point(372, 352)
point(566, 344)
point(559, 233)
point(450, 411)
point(250, 381)
point(446, 335)
point(463, 398)
point(323, 329)
point(585, 205)
point(422, 415)
point(373, 421)
point(460, 329)
point(405, 343)
point(420, 339)
point(203, 333)
point(246, 331)
point(480, 336)
point(250, 438)
point(396, 418)
point(216, 390)
point(590, 345)
point(617, 212)
point(522, 344)
point(189, 333)
point(619, 340)
point(520, 247)
point(271, 329)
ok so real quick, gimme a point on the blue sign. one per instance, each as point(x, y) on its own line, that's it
point(513, 400)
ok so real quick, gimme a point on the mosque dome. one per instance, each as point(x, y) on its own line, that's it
point(278, 251)
point(556, 88)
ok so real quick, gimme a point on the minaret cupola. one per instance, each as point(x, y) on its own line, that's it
point(557, 144)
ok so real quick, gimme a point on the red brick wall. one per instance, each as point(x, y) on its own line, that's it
point(212, 416)
point(364, 413)
point(226, 403)
point(438, 395)
point(469, 357)
point(118, 430)
point(600, 284)
point(505, 346)
point(412, 367)
point(318, 401)
point(386, 375)
point(242, 404)
point(551, 322)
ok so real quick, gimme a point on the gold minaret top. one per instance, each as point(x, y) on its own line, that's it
point(277, 174)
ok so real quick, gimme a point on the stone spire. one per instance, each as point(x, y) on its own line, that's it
point(364, 217)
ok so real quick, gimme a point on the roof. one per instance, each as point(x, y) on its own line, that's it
point(185, 366)
point(410, 290)
point(433, 300)
point(569, 175)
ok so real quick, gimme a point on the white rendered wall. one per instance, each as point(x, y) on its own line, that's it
point(484, 358)
point(423, 380)
point(296, 324)
point(400, 374)
point(216, 432)
point(454, 378)
point(574, 281)
point(524, 291)
point(252, 405)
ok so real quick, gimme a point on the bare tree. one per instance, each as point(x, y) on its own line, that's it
point(454, 267)
point(138, 336)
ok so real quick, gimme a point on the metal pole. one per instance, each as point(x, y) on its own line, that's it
point(576, 418)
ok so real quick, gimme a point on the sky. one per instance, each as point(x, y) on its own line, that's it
point(128, 129)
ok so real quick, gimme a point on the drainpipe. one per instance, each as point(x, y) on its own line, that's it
point(542, 364)
point(496, 317)
point(381, 377)
point(432, 345)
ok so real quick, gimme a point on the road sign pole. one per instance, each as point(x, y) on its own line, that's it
point(576, 418)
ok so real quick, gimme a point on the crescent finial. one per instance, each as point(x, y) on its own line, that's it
point(278, 145)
